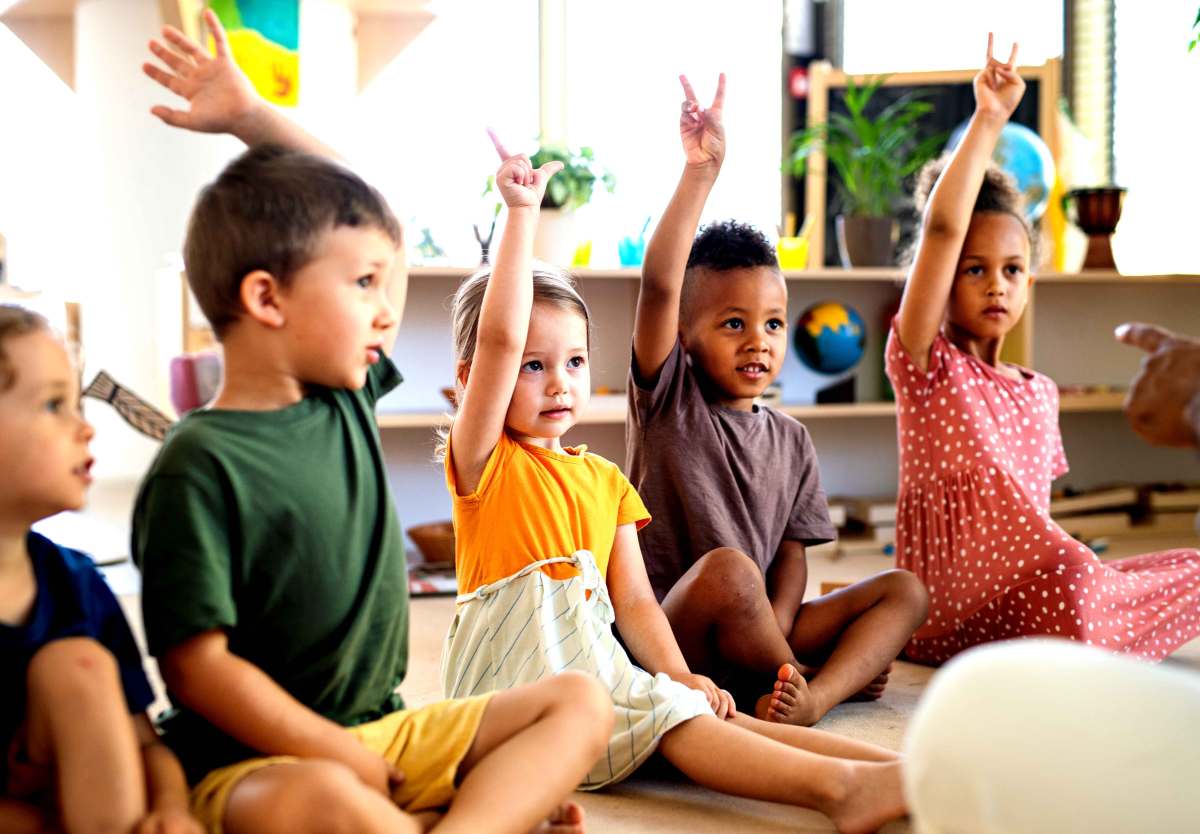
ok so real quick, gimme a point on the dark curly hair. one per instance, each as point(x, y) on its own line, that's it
point(721, 247)
point(998, 194)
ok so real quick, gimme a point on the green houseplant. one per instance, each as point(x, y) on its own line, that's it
point(569, 189)
point(872, 155)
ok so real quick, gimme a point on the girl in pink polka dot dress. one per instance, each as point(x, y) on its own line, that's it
point(979, 440)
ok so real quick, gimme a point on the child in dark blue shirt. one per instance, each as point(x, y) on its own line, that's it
point(78, 751)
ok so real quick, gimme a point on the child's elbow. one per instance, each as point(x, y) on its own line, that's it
point(188, 666)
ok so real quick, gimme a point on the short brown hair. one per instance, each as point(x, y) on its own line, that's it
point(15, 321)
point(267, 210)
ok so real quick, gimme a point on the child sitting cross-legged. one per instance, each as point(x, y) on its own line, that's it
point(548, 558)
point(274, 580)
point(979, 438)
point(77, 751)
point(734, 485)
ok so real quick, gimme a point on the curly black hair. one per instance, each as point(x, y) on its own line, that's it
point(731, 245)
point(998, 194)
point(720, 247)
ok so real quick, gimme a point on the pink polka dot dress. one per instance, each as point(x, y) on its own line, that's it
point(978, 451)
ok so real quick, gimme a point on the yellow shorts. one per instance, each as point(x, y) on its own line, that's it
point(426, 744)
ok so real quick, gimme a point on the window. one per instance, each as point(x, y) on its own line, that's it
point(880, 36)
point(422, 119)
point(1155, 128)
point(623, 59)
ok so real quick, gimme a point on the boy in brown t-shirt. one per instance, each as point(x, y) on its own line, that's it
point(734, 486)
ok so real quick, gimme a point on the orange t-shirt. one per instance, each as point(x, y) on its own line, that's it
point(533, 504)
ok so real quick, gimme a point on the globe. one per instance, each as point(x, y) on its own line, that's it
point(830, 337)
point(1023, 154)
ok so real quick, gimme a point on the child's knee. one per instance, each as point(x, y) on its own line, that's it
point(908, 590)
point(321, 797)
point(728, 572)
point(75, 667)
point(585, 696)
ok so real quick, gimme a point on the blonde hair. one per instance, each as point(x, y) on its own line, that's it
point(551, 285)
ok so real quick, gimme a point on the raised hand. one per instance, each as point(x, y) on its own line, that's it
point(218, 93)
point(998, 86)
point(700, 130)
point(519, 183)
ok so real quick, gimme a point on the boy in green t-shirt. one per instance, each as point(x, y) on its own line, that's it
point(274, 583)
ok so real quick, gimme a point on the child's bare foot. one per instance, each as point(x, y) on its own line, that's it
point(790, 702)
point(873, 690)
point(874, 795)
point(565, 819)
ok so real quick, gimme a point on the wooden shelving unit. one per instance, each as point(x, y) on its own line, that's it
point(611, 408)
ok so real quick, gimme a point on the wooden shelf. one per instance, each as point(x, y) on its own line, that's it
point(610, 408)
point(883, 275)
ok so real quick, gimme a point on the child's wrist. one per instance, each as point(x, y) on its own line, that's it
point(254, 126)
point(705, 170)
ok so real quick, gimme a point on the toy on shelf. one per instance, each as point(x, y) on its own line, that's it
point(829, 339)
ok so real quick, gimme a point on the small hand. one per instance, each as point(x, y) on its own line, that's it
point(1166, 385)
point(700, 130)
point(519, 183)
point(218, 93)
point(170, 821)
point(720, 700)
point(998, 86)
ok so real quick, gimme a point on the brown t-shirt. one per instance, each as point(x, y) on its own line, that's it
point(716, 477)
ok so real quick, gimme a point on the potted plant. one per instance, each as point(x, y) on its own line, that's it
point(568, 190)
point(873, 155)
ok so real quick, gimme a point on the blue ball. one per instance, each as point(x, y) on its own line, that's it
point(830, 337)
point(1023, 154)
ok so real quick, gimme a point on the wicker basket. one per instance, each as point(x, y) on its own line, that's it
point(434, 541)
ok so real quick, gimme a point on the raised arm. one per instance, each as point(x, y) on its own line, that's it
point(219, 96)
point(657, 323)
point(221, 99)
point(503, 321)
point(998, 90)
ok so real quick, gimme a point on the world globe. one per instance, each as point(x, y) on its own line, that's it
point(829, 337)
point(1023, 154)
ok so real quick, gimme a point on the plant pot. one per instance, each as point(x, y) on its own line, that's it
point(1097, 211)
point(867, 241)
point(554, 241)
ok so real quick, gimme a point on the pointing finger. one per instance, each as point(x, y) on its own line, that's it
point(688, 92)
point(719, 98)
point(1148, 337)
point(498, 145)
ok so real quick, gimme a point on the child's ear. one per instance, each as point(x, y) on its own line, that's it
point(260, 294)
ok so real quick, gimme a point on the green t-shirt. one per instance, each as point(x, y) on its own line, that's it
point(278, 527)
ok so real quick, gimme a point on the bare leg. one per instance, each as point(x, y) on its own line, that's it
point(78, 723)
point(534, 745)
point(858, 796)
point(853, 634)
point(312, 797)
point(816, 741)
point(722, 616)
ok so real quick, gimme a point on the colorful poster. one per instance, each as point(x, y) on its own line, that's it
point(265, 38)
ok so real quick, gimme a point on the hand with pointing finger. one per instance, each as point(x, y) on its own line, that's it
point(519, 183)
point(1163, 403)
